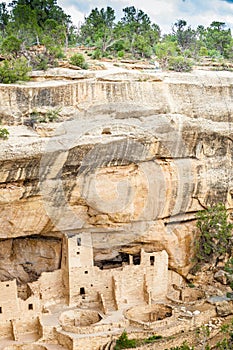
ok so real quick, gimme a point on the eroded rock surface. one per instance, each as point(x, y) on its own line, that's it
point(24, 259)
point(133, 166)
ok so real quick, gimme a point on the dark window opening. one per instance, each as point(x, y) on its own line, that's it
point(78, 253)
point(82, 291)
point(7, 285)
point(152, 260)
point(78, 241)
point(117, 261)
point(0, 310)
point(86, 272)
point(137, 259)
point(30, 306)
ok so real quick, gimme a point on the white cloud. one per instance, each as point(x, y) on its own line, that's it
point(163, 12)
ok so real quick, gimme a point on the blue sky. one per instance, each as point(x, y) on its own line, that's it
point(162, 12)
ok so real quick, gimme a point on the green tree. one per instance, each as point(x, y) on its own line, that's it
point(14, 70)
point(43, 9)
point(140, 33)
point(215, 233)
point(98, 28)
point(185, 36)
point(4, 17)
point(11, 45)
point(24, 25)
point(218, 37)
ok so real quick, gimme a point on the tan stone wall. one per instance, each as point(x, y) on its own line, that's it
point(93, 342)
point(65, 339)
point(193, 95)
point(49, 287)
point(26, 325)
point(6, 330)
point(9, 302)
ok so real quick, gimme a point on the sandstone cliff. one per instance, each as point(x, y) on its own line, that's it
point(134, 158)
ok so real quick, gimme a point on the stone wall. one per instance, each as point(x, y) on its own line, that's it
point(195, 95)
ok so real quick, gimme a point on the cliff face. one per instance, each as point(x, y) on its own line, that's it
point(140, 155)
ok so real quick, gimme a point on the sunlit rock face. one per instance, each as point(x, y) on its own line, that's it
point(138, 158)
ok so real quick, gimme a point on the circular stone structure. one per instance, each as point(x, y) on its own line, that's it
point(25, 347)
point(79, 318)
point(149, 314)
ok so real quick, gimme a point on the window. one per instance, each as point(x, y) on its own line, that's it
point(152, 260)
point(78, 253)
point(86, 272)
point(82, 291)
point(78, 241)
point(30, 306)
point(136, 259)
point(0, 310)
point(7, 285)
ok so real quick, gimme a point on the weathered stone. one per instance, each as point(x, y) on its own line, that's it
point(224, 308)
point(220, 276)
point(131, 175)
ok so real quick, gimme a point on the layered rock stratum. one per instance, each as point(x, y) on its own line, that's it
point(131, 159)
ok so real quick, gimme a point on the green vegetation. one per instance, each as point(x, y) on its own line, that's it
point(14, 70)
point(43, 24)
point(184, 346)
point(215, 237)
point(50, 116)
point(78, 60)
point(123, 342)
point(180, 64)
point(4, 133)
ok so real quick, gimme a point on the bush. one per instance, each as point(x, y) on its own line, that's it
point(152, 339)
point(14, 70)
point(121, 54)
point(78, 60)
point(166, 49)
point(215, 233)
point(41, 62)
point(203, 51)
point(11, 45)
point(124, 342)
point(4, 133)
point(50, 116)
point(180, 64)
point(184, 346)
point(97, 54)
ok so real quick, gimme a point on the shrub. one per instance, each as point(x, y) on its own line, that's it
point(152, 339)
point(50, 116)
point(166, 49)
point(4, 133)
point(203, 51)
point(97, 54)
point(121, 54)
point(14, 70)
point(179, 64)
point(78, 60)
point(41, 62)
point(11, 45)
point(215, 233)
point(184, 346)
point(123, 342)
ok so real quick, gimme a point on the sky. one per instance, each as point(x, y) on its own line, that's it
point(163, 12)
